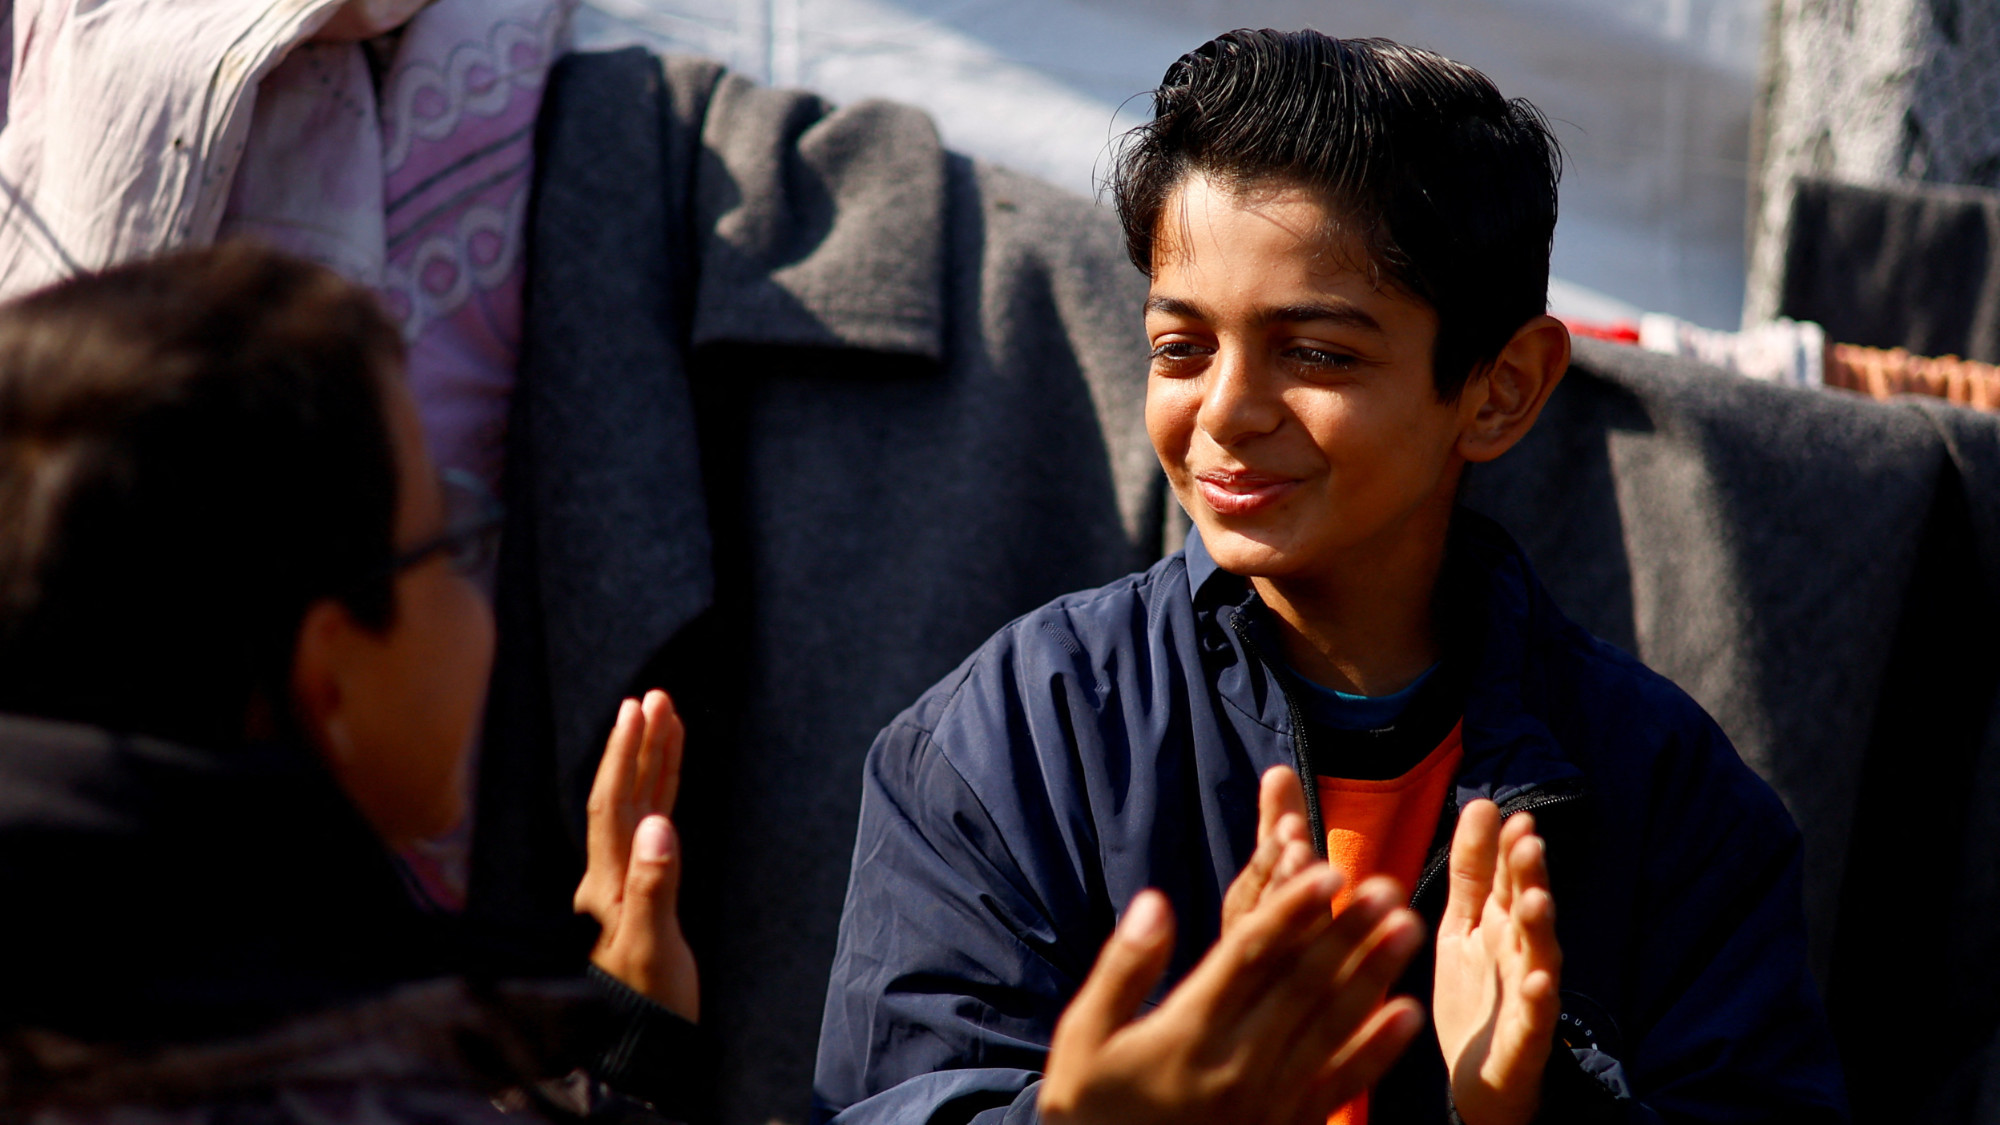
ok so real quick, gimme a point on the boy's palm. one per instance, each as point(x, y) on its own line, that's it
point(1282, 1022)
point(1495, 1002)
point(1284, 845)
point(632, 883)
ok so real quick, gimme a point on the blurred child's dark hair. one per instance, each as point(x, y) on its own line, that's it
point(1451, 187)
point(193, 450)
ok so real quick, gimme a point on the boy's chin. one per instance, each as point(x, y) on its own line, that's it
point(1249, 554)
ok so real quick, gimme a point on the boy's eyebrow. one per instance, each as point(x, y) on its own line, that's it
point(1340, 312)
point(1354, 316)
point(1174, 306)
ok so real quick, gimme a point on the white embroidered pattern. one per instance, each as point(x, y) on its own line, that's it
point(426, 99)
point(441, 275)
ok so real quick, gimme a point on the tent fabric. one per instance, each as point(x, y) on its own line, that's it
point(800, 519)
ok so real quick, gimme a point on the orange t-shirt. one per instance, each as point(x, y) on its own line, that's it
point(1385, 828)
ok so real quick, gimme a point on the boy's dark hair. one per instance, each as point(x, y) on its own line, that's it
point(193, 450)
point(1451, 187)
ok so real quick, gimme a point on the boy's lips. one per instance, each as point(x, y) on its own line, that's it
point(1240, 493)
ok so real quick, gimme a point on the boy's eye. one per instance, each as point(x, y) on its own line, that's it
point(1177, 351)
point(1322, 358)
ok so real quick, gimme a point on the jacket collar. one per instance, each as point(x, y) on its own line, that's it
point(262, 890)
point(1202, 568)
point(1508, 623)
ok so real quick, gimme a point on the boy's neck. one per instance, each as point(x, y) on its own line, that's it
point(1366, 626)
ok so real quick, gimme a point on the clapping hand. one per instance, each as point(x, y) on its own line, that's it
point(1283, 1021)
point(1498, 968)
point(632, 882)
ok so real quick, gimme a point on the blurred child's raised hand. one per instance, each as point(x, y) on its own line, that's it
point(632, 883)
point(1495, 1003)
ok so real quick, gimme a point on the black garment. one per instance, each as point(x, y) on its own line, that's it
point(1913, 266)
point(160, 896)
point(157, 891)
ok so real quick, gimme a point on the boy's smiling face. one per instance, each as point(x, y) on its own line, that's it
point(1291, 398)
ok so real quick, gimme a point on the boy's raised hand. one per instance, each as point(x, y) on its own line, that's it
point(1284, 844)
point(1495, 1004)
point(1282, 1022)
point(632, 882)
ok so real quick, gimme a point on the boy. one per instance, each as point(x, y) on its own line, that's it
point(1348, 244)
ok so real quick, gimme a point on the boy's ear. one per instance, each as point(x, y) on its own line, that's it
point(1500, 404)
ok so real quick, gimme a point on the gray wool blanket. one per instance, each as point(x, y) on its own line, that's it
point(1821, 572)
point(810, 406)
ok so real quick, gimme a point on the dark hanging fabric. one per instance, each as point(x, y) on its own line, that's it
point(1822, 573)
point(1911, 265)
point(808, 407)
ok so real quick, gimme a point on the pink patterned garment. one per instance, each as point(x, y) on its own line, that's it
point(422, 194)
point(458, 113)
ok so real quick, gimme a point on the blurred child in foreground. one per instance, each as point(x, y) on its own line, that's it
point(240, 663)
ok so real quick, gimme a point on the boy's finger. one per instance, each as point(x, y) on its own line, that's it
point(1535, 918)
point(1525, 1033)
point(1475, 844)
point(1372, 901)
point(1296, 857)
point(1507, 870)
point(608, 825)
point(1343, 989)
point(1527, 864)
point(1278, 793)
point(1367, 1056)
point(652, 881)
point(659, 744)
point(1264, 947)
point(673, 749)
point(1248, 887)
point(1361, 921)
point(1127, 969)
point(1292, 829)
point(1281, 853)
point(646, 768)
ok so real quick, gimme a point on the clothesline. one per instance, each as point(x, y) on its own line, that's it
point(1797, 353)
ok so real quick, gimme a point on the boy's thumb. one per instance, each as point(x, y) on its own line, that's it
point(652, 878)
point(1127, 970)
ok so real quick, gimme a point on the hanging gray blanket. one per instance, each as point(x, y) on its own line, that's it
point(810, 406)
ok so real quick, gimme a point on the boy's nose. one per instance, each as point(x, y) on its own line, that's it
point(1241, 400)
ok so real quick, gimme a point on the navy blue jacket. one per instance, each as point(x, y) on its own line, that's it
point(1113, 740)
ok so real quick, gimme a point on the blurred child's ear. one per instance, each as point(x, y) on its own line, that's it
point(1501, 402)
point(320, 660)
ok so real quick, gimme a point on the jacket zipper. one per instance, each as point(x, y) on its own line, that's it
point(1301, 749)
point(1440, 856)
point(1302, 757)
